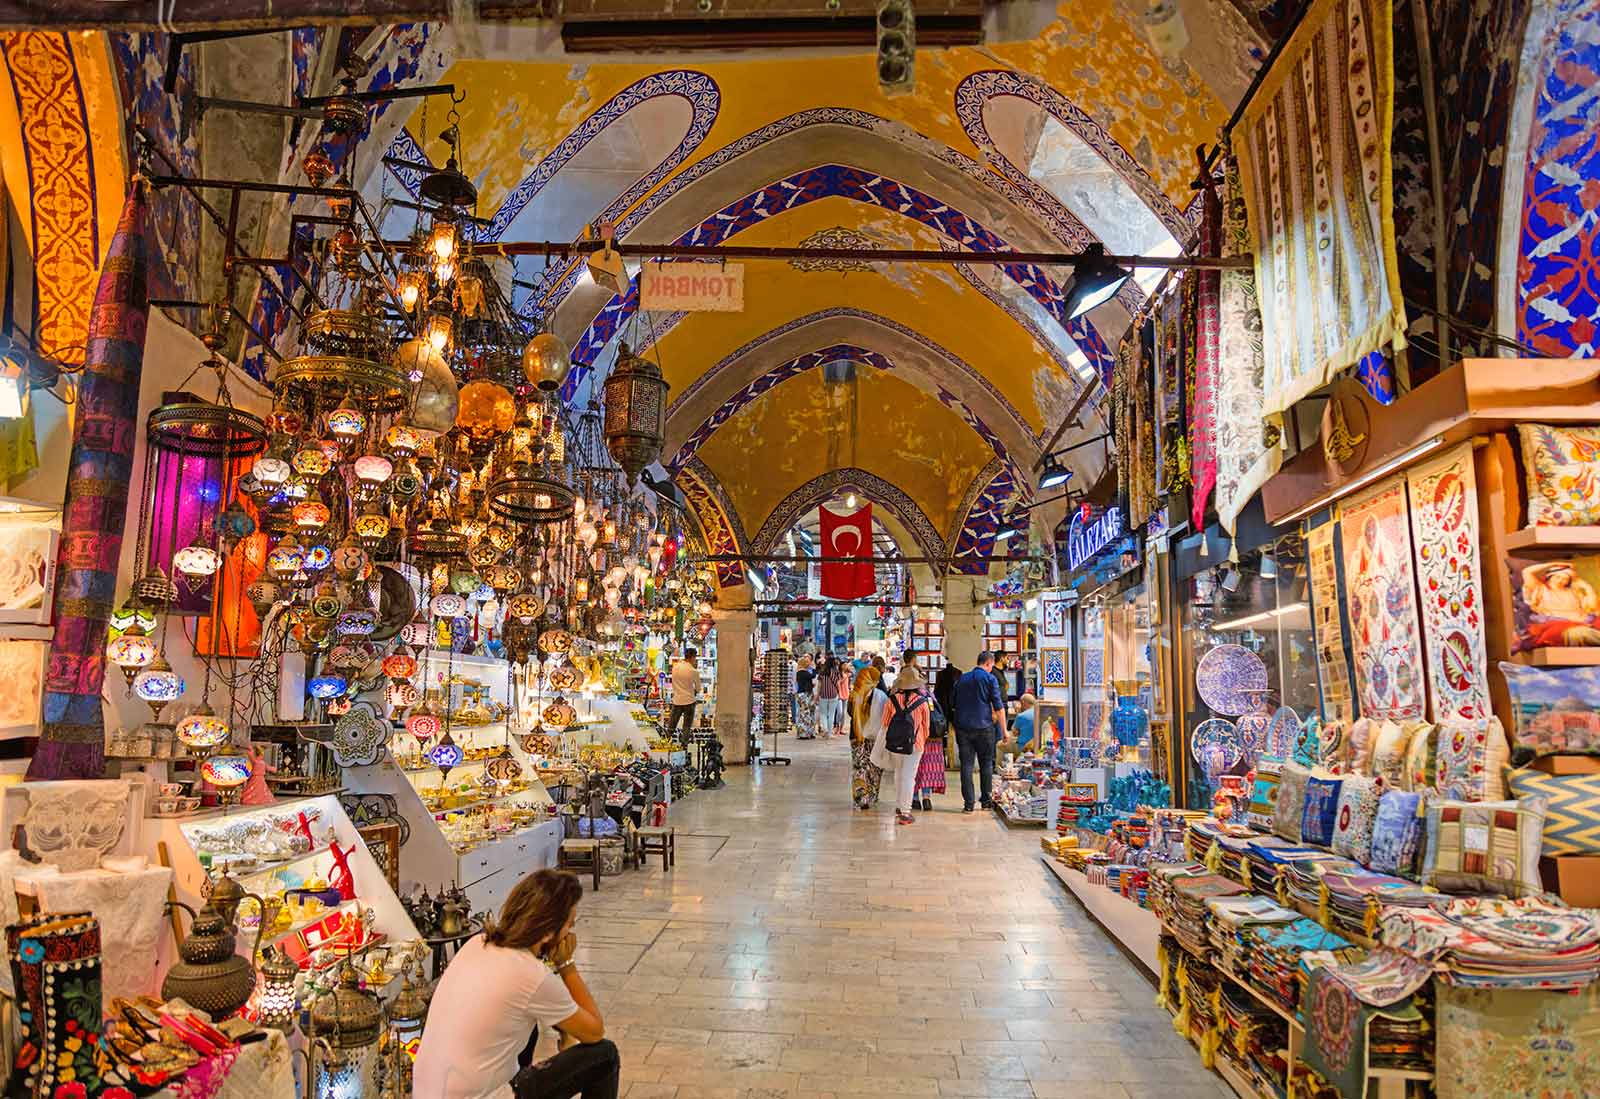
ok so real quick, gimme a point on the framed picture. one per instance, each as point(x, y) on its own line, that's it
point(1053, 667)
point(383, 840)
point(1094, 667)
point(1081, 793)
point(1056, 618)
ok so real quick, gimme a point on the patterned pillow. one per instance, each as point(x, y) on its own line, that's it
point(1264, 796)
point(1318, 816)
point(1470, 753)
point(1362, 734)
point(1421, 757)
point(1389, 753)
point(1333, 746)
point(1572, 814)
point(1563, 465)
point(1484, 847)
point(1397, 833)
point(1291, 800)
point(1554, 709)
point(1353, 820)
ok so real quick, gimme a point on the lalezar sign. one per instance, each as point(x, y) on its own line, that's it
point(1085, 539)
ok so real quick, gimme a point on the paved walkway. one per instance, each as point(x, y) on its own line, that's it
point(803, 949)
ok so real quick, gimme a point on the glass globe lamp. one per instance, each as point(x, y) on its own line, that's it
point(310, 461)
point(445, 755)
point(424, 727)
point(555, 641)
point(271, 470)
point(486, 410)
point(400, 695)
point(202, 730)
point(559, 714)
point(372, 470)
point(324, 687)
point(158, 684)
point(317, 558)
point(399, 665)
point(131, 651)
point(525, 608)
point(372, 527)
point(403, 439)
point(346, 423)
point(448, 605)
point(310, 515)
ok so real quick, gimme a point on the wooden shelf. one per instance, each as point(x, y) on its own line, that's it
point(1135, 929)
point(1561, 656)
point(1554, 538)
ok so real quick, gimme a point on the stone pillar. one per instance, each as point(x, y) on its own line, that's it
point(736, 624)
point(963, 619)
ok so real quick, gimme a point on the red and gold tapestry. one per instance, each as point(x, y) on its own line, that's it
point(1385, 637)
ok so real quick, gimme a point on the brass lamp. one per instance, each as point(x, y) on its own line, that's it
point(276, 1004)
point(635, 412)
point(209, 975)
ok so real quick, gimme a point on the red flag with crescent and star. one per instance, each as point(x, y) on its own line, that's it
point(848, 536)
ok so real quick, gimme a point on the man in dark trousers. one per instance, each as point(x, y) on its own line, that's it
point(979, 711)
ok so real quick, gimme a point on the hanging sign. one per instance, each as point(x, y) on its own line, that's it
point(692, 287)
point(1086, 538)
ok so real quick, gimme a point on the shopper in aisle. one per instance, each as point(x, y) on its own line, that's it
point(500, 988)
point(979, 712)
point(805, 701)
point(830, 697)
point(866, 714)
point(930, 767)
point(905, 724)
point(1021, 734)
point(685, 693)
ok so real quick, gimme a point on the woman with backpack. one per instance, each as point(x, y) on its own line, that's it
point(906, 721)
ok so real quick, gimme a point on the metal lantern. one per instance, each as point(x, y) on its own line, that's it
point(209, 975)
point(545, 361)
point(636, 409)
point(276, 1004)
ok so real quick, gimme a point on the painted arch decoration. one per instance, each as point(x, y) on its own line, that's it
point(716, 516)
point(992, 491)
point(843, 181)
point(821, 489)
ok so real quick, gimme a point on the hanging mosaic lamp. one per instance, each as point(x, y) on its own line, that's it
point(545, 362)
point(635, 412)
point(202, 730)
point(555, 642)
point(445, 755)
point(158, 685)
point(423, 726)
point(131, 651)
point(324, 687)
point(559, 714)
point(228, 774)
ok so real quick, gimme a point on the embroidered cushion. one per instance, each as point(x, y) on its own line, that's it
point(1421, 756)
point(1563, 465)
point(1321, 809)
point(1397, 833)
point(1572, 809)
point(1264, 796)
point(1291, 801)
point(1389, 753)
point(1484, 847)
point(1361, 735)
point(1354, 817)
point(1333, 746)
point(1469, 755)
point(1554, 600)
point(1554, 709)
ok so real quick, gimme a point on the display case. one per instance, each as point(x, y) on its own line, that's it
point(292, 855)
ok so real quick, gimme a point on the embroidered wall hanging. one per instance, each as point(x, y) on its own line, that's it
point(1314, 155)
point(1385, 638)
point(1444, 530)
point(1337, 703)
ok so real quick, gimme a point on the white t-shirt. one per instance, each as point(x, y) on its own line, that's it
point(685, 684)
point(482, 1013)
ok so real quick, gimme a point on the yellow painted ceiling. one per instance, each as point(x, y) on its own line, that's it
point(934, 301)
point(1094, 54)
point(803, 429)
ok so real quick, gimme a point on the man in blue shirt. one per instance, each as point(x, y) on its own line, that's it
point(979, 710)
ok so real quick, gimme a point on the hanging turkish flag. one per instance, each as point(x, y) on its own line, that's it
point(848, 536)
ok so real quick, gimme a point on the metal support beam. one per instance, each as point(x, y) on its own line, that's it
point(781, 559)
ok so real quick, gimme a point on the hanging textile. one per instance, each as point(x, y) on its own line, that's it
point(1444, 529)
point(1203, 290)
point(1176, 472)
point(1141, 395)
point(99, 470)
point(1247, 451)
point(1122, 433)
point(848, 536)
point(1385, 638)
point(1333, 673)
point(1313, 149)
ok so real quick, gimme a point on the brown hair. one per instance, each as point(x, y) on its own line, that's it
point(535, 911)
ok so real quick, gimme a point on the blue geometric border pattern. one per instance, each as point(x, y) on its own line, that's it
point(976, 539)
point(701, 92)
point(718, 521)
point(1062, 223)
point(977, 89)
point(830, 484)
point(842, 181)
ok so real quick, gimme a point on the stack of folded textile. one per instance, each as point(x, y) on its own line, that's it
point(1234, 922)
point(1254, 1039)
point(1187, 918)
point(1490, 942)
point(1272, 957)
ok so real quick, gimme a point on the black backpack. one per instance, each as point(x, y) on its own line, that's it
point(901, 736)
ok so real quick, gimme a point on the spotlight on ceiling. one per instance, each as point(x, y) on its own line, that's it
point(1269, 567)
point(1012, 525)
point(850, 501)
point(1094, 280)
point(897, 46)
point(1054, 475)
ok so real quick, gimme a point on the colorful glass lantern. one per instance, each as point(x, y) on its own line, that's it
point(555, 641)
point(423, 726)
point(228, 774)
point(276, 1004)
point(372, 527)
point(499, 536)
point(158, 684)
point(196, 561)
point(635, 412)
point(565, 677)
point(317, 558)
point(464, 581)
point(372, 470)
point(525, 608)
point(131, 651)
point(416, 633)
point(357, 622)
point(545, 361)
point(271, 470)
point(559, 714)
point(349, 560)
point(403, 439)
point(311, 461)
point(400, 665)
point(346, 422)
point(504, 768)
point(285, 421)
point(202, 730)
point(448, 605)
point(486, 409)
point(445, 755)
point(310, 515)
point(324, 687)
point(400, 695)
point(234, 523)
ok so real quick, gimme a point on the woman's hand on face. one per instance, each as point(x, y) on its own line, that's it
point(561, 953)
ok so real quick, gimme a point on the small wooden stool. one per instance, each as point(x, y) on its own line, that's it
point(659, 837)
point(580, 853)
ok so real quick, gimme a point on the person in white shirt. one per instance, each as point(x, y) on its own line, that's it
point(685, 693)
point(499, 989)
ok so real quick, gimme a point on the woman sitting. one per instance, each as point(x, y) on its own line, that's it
point(499, 989)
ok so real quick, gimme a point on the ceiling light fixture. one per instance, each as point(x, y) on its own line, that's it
point(1095, 279)
point(850, 501)
point(1055, 474)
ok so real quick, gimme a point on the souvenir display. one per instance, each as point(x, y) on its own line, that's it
point(1356, 816)
point(1338, 705)
point(1320, 814)
point(1228, 677)
point(1572, 809)
point(1562, 465)
point(1389, 750)
point(1484, 847)
point(1555, 601)
point(1289, 810)
point(1397, 833)
point(1469, 757)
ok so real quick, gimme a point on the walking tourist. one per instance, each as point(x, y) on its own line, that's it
point(930, 766)
point(866, 704)
point(805, 700)
point(685, 693)
point(830, 697)
point(903, 735)
point(979, 711)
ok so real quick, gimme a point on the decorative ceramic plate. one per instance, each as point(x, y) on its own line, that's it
point(359, 736)
point(1283, 735)
point(1226, 678)
point(1216, 746)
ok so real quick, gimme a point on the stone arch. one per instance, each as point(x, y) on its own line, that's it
point(830, 484)
point(714, 514)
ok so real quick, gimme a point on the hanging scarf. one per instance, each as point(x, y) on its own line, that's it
point(99, 471)
point(1202, 324)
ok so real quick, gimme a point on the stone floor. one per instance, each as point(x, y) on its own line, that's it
point(803, 949)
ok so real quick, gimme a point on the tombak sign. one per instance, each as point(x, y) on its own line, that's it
point(692, 287)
